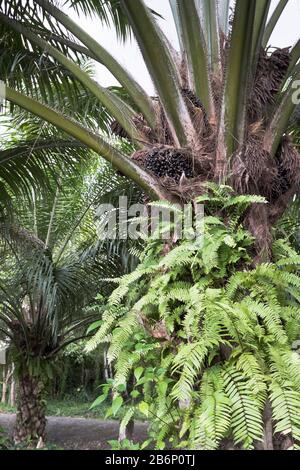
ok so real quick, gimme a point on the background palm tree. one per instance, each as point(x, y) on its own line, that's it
point(50, 269)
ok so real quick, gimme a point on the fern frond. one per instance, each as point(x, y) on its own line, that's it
point(270, 314)
point(210, 337)
point(180, 256)
point(248, 364)
point(109, 319)
point(188, 361)
point(213, 422)
point(126, 327)
point(293, 261)
point(285, 367)
point(246, 421)
point(286, 411)
point(244, 201)
point(126, 281)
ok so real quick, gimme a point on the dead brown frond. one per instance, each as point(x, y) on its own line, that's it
point(118, 130)
point(184, 73)
point(197, 111)
point(289, 161)
point(271, 70)
point(186, 189)
point(147, 134)
point(217, 84)
point(139, 157)
point(256, 129)
point(163, 133)
point(253, 170)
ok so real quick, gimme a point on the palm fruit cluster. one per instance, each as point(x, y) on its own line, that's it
point(187, 93)
point(168, 162)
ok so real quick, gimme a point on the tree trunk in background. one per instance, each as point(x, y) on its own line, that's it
point(12, 392)
point(62, 382)
point(4, 386)
point(127, 432)
point(7, 376)
point(106, 366)
point(97, 374)
point(31, 420)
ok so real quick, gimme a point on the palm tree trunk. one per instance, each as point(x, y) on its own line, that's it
point(268, 428)
point(31, 420)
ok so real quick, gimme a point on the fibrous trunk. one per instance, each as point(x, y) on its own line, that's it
point(31, 420)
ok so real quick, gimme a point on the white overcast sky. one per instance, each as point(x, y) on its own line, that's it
point(286, 34)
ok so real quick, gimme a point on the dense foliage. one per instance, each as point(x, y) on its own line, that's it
point(206, 337)
point(202, 333)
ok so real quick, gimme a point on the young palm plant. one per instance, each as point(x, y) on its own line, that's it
point(50, 271)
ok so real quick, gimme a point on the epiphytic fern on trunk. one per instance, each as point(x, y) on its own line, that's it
point(208, 336)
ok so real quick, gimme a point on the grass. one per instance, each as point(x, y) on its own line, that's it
point(75, 408)
point(4, 408)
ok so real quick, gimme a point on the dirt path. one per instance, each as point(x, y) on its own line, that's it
point(78, 433)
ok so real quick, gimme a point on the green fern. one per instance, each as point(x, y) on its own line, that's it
point(286, 412)
point(246, 421)
point(214, 419)
point(210, 336)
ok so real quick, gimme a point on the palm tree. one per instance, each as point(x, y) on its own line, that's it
point(222, 108)
point(50, 269)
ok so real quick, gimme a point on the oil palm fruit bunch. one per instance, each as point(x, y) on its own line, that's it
point(167, 162)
